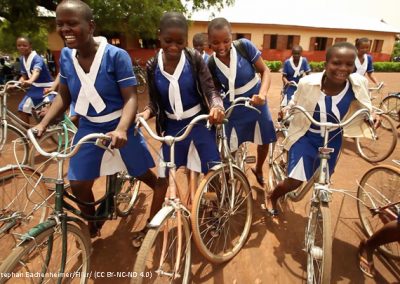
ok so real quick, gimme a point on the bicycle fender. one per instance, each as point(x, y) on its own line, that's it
point(160, 216)
point(35, 231)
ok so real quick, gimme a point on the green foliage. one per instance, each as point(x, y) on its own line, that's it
point(396, 50)
point(317, 66)
point(386, 66)
point(274, 66)
point(137, 17)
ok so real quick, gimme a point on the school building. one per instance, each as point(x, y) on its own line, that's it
point(274, 35)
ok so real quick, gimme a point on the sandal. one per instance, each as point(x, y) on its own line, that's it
point(366, 264)
point(259, 178)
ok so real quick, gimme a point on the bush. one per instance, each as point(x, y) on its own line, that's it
point(386, 66)
point(274, 66)
point(317, 66)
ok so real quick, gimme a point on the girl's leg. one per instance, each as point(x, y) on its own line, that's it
point(285, 186)
point(193, 181)
point(83, 191)
point(159, 187)
point(262, 153)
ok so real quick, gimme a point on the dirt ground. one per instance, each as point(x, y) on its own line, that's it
point(272, 254)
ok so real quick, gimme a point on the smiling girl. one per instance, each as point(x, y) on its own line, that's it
point(98, 78)
point(330, 96)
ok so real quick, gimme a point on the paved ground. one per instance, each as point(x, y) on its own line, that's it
point(273, 254)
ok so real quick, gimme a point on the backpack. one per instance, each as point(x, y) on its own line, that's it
point(240, 48)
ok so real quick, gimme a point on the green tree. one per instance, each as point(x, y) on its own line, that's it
point(138, 17)
point(396, 50)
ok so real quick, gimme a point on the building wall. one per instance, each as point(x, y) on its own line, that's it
point(258, 31)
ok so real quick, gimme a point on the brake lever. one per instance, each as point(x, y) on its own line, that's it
point(100, 143)
point(248, 104)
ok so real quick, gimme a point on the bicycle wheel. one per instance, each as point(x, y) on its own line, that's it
point(23, 205)
point(7, 148)
point(391, 106)
point(222, 214)
point(52, 141)
point(39, 260)
point(127, 195)
point(318, 242)
point(378, 149)
point(151, 266)
point(278, 162)
point(141, 83)
point(379, 187)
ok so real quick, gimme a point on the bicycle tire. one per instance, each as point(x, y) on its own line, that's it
point(318, 243)
point(22, 204)
point(391, 106)
point(278, 162)
point(26, 259)
point(141, 83)
point(7, 149)
point(127, 196)
point(378, 187)
point(154, 237)
point(49, 142)
point(213, 220)
point(378, 150)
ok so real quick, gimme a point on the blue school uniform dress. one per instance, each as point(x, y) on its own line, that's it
point(240, 80)
point(181, 103)
point(303, 155)
point(99, 103)
point(34, 95)
point(365, 67)
point(293, 73)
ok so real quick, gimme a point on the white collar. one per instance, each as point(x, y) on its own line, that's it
point(174, 92)
point(88, 93)
point(229, 72)
point(27, 63)
point(296, 68)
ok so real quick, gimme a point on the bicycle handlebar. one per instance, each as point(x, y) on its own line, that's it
point(377, 88)
point(16, 84)
point(329, 125)
point(98, 136)
point(169, 139)
point(236, 102)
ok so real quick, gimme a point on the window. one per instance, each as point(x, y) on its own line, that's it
point(320, 43)
point(241, 35)
point(377, 45)
point(340, 39)
point(280, 42)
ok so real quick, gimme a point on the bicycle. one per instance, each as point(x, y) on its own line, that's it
point(12, 128)
point(223, 203)
point(166, 249)
point(21, 202)
point(391, 107)
point(60, 246)
point(140, 74)
point(376, 192)
point(318, 237)
point(384, 137)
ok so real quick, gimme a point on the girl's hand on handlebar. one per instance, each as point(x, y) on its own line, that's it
point(257, 100)
point(145, 114)
point(216, 115)
point(118, 138)
point(39, 129)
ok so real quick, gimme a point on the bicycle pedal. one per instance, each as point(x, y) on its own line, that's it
point(250, 159)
